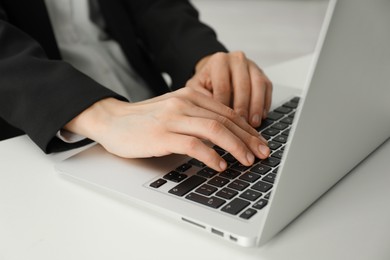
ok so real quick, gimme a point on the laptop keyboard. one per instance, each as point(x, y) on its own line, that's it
point(239, 190)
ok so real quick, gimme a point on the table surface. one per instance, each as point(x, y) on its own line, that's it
point(43, 216)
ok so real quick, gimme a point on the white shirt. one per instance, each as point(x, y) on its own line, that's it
point(81, 44)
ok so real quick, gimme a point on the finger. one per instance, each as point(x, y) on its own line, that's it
point(258, 97)
point(241, 84)
point(193, 147)
point(268, 97)
point(255, 142)
point(199, 87)
point(220, 109)
point(217, 133)
point(220, 78)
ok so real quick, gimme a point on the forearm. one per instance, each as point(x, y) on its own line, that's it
point(38, 95)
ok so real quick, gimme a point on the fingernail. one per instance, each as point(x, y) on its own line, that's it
point(264, 150)
point(256, 120)
point(222, 165)
point(250, 157)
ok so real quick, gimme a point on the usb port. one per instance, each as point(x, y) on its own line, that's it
point(232, 238)
point(217, 232)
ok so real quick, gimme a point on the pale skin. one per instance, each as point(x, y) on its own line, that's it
point(227, 96)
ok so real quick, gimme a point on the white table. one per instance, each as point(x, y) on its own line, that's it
point(43, 216)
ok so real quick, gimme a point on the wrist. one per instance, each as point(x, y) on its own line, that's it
point(94, 121)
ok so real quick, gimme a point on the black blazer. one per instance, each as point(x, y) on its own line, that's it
point(39, 93)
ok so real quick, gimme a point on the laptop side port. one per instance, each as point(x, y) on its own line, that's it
point(232, 238)
point(193, 223)
point(217, 232)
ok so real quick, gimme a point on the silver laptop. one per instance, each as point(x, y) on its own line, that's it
point(341, 117)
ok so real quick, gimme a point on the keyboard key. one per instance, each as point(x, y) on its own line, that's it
point(250, 195)
point(226, 193)
point(295, 100)
point(274, 116)
point(287, 120)
point(277, 154)
point(230, 174)
point(264, 124)
point(262, 186)
point(213, 202)
point(260, 169)
point(273, 145)
point(187, 185)
point(219, 150)
point(291, 105)
point(207, 172)
point(268, 196)
point(270, 132)
point(280, 139)
point(238, 185)
point(249, 176)
point(279, 126)
point(260, 204)
point(184, 167)
point(197, 163)
point(206, 190)
point(218, 181)
point(283, 110)
point(235, 206)
point(158, 183)
point(266, 137)
point(269, 178)
point(175, 176)
point(240, 167)
point(286, 132)
point(271, 161)
point(248, 213)
point(229, 158)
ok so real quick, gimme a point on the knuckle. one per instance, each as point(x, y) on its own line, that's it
point(175, 103)
point(192, 144)
point(231, 114)
point(242, 112)
point(239, 55)
point(220, 57)
point(215, 127)
point(224, 121)
point(187, 91)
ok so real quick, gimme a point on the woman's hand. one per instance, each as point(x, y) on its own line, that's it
point(235, 81)
point(178, 122)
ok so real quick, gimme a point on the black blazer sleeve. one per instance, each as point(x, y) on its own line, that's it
point(38, 95)
point(170, 31)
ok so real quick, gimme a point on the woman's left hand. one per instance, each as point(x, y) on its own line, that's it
point(236, 81)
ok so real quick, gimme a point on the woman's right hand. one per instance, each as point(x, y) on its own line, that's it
point(178, 122)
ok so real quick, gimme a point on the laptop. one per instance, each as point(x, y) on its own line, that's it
point(342, 115)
